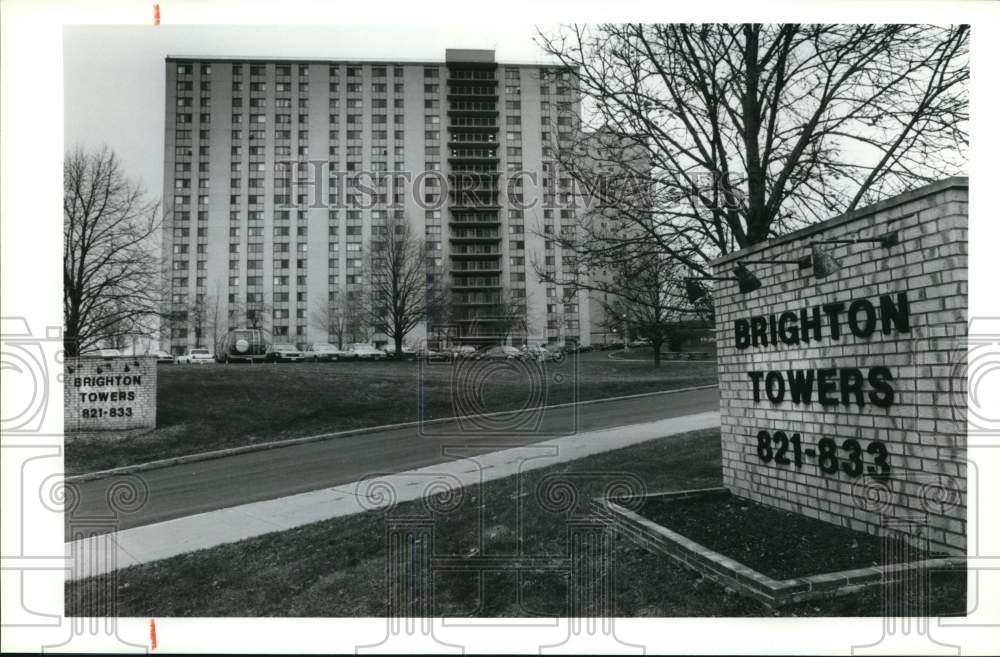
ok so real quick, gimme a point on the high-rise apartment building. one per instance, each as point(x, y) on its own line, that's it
point(277, 173)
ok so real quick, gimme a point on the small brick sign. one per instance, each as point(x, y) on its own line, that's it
point(842, 384)
point(110, 394)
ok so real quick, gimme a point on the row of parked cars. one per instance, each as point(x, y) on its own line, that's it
point(330, 353)
point(281, 352)
point(242, 349)
point(325, 352)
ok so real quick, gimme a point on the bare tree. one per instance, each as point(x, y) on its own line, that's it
point(507, 317)
point(198, 316)
point(737, 133)
point(217, 318)
point(404, 286)
point(441, 325)
point(343, 316)
point(648, 298)
point(111, 270)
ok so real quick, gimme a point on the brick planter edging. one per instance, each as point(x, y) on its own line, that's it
point(742, 578)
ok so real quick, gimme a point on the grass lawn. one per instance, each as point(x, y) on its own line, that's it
point(206, 407)
point(338, 567)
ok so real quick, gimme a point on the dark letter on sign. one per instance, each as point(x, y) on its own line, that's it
point(788, 328)
point(897, 314)
point(742, 327)
point(850, 384)
point(756, 377)
point(827, 386)
point(800, 382)
point(774, 386)
point(883, 395)
point(865, 325)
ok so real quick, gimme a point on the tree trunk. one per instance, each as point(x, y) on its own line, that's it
point(656, 344)
point(399, 344)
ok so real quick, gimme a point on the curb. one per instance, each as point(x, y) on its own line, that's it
point(275, 444)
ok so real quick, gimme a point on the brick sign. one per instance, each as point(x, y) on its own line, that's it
point(842, 383)
point(107, 394)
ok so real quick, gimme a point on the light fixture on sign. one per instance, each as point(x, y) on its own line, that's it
point(744, 278)
point(825, 264)
point(695, 290)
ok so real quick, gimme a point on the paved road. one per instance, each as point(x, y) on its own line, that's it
point(183, 490)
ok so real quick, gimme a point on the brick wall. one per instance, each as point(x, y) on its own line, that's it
point(110, 394)
point(923, 482)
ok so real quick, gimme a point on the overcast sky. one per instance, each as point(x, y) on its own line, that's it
point(114, 74)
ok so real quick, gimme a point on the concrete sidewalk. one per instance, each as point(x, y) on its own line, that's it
point(97, 555)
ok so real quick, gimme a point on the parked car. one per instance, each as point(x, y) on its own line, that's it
point(541, 353)
point(286, 353)
point(464, 351)
point(408, 352)
point(642, 342)
point(502, 353)
point(163, 357)
point(426, 354)
point(102, 353)
point(323, 351)
point(196, 356)
point(243, 344)
point(363, 351)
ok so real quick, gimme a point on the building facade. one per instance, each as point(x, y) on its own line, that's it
point(278, 172)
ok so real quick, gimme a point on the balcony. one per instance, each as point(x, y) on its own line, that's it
point(474, 240)
point(475, 284)
point(475, 234)
point(457, 78)
point(472, 220)
point(475, 254)
point(477, 199)
point(459, 155)
point(455, 112)
point(487, 96)
point(477, 129)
